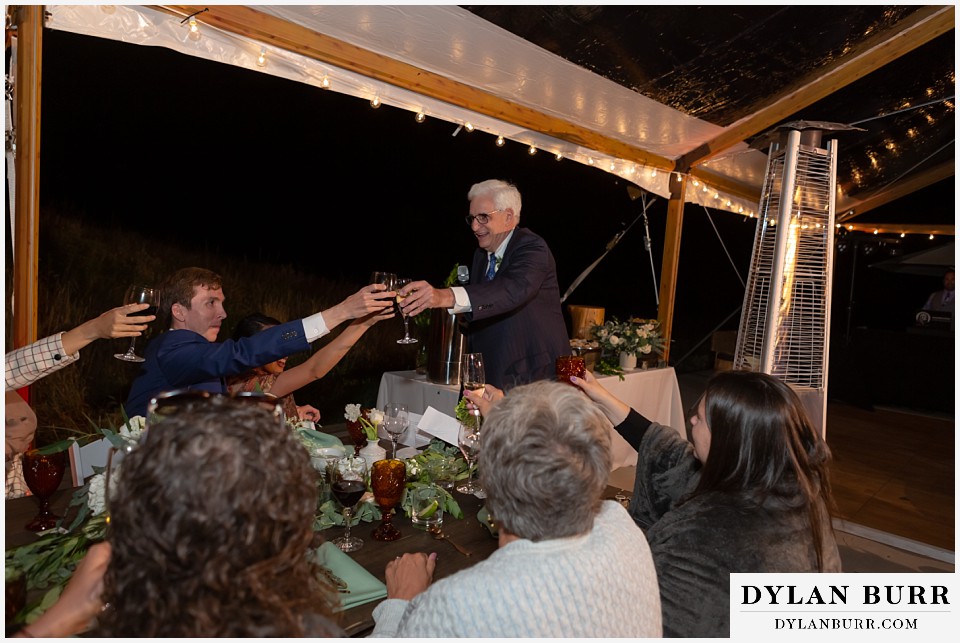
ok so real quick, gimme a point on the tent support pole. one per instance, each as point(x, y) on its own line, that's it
point(671, 259)
point(27, 100)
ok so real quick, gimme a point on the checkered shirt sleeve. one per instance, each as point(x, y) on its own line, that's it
point(16, 485)
point(28, 364)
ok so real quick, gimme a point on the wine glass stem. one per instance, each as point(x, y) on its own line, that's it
point(406, 327)
point(133, 343)
point(347, 514)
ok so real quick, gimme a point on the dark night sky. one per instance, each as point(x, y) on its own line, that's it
point(146, 138)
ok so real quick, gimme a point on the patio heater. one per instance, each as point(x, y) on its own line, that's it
point(784, 327)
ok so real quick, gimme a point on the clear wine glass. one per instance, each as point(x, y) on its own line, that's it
point(396, 418)
point(400, 283)
point(473, 377)
point(348, 484)
point(469, 442)
point(139, 294)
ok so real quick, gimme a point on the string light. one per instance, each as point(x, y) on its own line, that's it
point(325, 82)
point(590, 161)
point(500, 141)
point(194, 29)
point(931, 237)
point(875, 231)
point(468, 127)
point(850, 227)
point(375, 102)
point(420, 117)
point(696, 183)
point(653, 173)
point(262, 58)
point(903, 234)
point(532, 150)
point(559, 156)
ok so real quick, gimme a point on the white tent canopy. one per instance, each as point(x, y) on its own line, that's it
point(454, 44)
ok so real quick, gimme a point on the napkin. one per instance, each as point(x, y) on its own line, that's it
point(364, 586)
point(318, 439)
point(440, 425)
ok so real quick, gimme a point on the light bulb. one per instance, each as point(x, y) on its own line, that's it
point(903, 234)
point(468, 127)
point(590, 161)
point(532, 150)
point(325, 82)
point(931, 237)
point(262, 58)
point(705, 187)
point(740, 209)
point(420, 117)
point(559, 156)
point(500, 141)
point(375, 103)
point(850, 226)
point(679, 178)
point(696, 183)
point(194, 29)
point(653, 172)
point(876, 231)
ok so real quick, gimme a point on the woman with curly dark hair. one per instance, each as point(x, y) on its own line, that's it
point(210, 523)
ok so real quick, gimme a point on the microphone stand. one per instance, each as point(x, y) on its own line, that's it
point(610, 246)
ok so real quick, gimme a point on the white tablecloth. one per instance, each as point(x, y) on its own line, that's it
point(654, 393)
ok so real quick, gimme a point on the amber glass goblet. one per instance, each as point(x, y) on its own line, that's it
point(387, 479)
point(357, 434)
point(43, 474)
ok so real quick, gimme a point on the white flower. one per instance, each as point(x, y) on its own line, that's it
point(376, 417)
point(132, 430)
point(614, 340)
point(352, 412)
point(95, 494)
point(646, 349)
point(602, 333)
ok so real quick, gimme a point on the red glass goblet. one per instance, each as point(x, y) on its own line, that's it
point(43, 474)
point(568, 365)
point(387, 479)
point(358, 435)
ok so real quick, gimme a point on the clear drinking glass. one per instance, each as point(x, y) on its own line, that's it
point(469, 442)
point(348, 484)
point(473, 377)
point(396, 418)
point(400, 283)
point(139, 294)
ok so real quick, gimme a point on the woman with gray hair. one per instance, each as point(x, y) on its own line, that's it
point(569, 563)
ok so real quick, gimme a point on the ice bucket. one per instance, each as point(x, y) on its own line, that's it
point(444, 348)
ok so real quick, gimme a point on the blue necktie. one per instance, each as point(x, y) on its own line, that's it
point(492, 268)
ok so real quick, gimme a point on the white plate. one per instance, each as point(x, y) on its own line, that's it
point(407, 452)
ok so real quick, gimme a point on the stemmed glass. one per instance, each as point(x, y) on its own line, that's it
point(473, 377)
point(395, 421)
point(348, 486)
point(387, 480)
point(400, 283)
point(139, 294)
point(43, 474)
point(469, 442)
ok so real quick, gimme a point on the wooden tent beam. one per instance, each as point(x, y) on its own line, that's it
point(941, 230)
point(29, 21)
point(851, 208)
point(920, 27)
point(249, 23)
point(671, 260)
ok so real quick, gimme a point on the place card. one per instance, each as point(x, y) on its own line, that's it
point(440, 426)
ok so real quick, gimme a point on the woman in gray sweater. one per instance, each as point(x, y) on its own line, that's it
point(750, 494)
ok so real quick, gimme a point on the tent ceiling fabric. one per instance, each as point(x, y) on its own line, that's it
point(662, 80)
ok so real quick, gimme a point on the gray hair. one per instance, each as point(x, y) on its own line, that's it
point(545, 461)
point(505, 195)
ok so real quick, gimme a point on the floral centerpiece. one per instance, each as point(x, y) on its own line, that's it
point(362, 424)
point(628, 340)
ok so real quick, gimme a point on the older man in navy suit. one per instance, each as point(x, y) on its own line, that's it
point(512, 304)
point(186, 356)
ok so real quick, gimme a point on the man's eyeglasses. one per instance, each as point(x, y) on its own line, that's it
point(481, 218)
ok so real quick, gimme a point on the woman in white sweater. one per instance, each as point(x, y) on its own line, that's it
point(569, 564)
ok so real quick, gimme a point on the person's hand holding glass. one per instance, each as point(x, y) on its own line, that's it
point(400, 283)
point(139, 294)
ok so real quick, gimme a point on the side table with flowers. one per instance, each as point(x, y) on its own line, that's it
point(627, 341)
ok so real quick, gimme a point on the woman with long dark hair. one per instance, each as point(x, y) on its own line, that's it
point(750, 494)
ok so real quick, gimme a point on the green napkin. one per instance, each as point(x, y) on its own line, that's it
point(318, 439)
point(364, 586)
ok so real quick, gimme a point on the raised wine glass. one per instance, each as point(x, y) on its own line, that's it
point(473, 377)
point(469, 442)
point(139, 294)
point(348, 486)
point(43, 474)
point(400, 283)
point(387, 480)
point(396, 418)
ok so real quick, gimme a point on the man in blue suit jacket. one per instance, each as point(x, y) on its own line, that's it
point(186, 356)
point(512, 304)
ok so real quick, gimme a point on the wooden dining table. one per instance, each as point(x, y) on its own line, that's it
point(468, 532)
